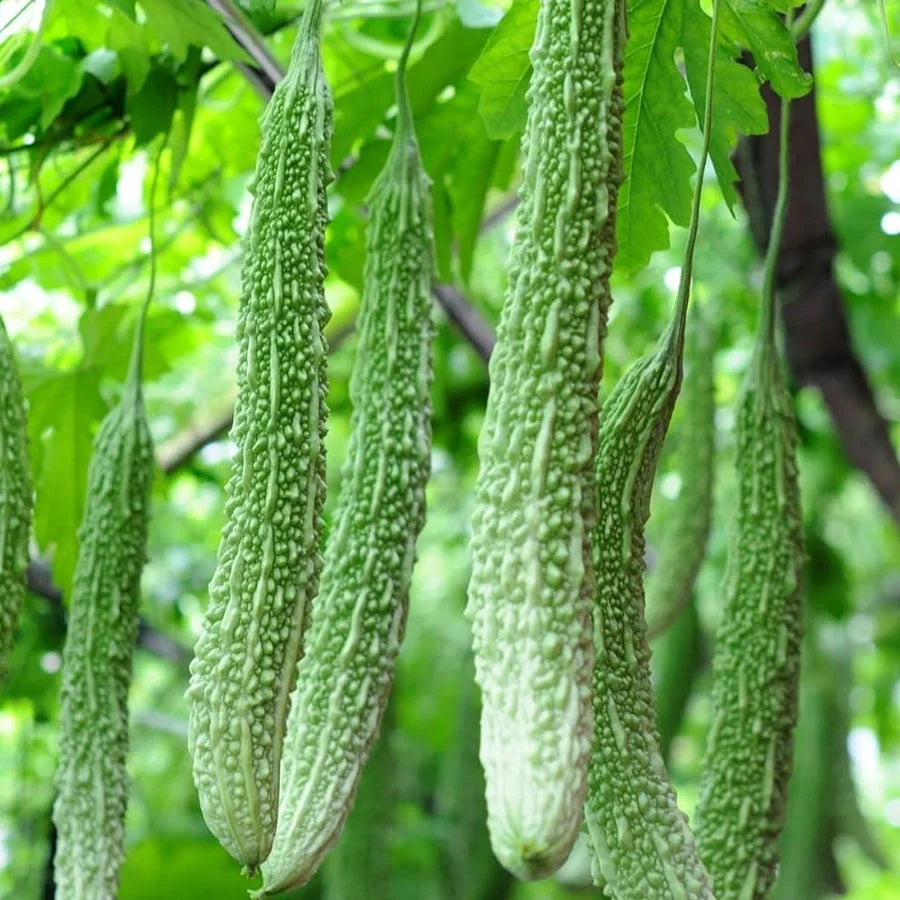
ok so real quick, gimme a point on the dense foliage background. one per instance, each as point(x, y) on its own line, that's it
point(79, 136)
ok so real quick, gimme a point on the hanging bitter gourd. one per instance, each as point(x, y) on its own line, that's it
point(15, 498)
point(747, 763)
point(670, 584)
point(269, 557)
point(641, 843)
point(678, 658)
point(91, 779)
point(532, 583)
point(756, 662)
point(344, 679)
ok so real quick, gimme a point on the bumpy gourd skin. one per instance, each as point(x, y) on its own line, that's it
point(269, 558)
point(15, 498)
point(642, 847)
point(671, 583)
point(747, 764)
point(91, 780)
point(532, 582)
point(344, 679)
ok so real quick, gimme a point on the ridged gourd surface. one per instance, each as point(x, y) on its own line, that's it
point(269, 557)
point(747, 764)
point(532, 584)
point(683, 546)
point(642, 847)
point(344, 679)
point(15, 498)
point(91, 779)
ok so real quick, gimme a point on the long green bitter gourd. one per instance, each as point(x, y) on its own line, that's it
point(15, 498)
point(671, 583)
point(532, 582)
point(91, 778)
point(344, 679)
point(747, 763)
point(641, 842)
point(678, 659)
point(756, 661)
point(269, 557)
point(642, 846)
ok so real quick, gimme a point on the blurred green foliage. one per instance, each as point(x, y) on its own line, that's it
point(76, 139)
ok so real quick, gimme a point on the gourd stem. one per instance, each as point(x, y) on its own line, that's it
point(675, 336)
point(767, 314)
point(404, 112)
point(804, 21)
point(137, 352)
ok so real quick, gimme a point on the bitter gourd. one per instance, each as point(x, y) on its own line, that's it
point(15, 498)
point(643, 849)
point(532, 582)
point(91, 779)
point(269, 557)
point(344, 679)
point(675, 666)
point(670, 584)
point(756, 659)
point(756, 662)
point(641, 842)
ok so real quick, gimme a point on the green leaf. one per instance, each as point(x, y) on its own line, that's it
point(152, 107)
point(63, 409)
point(107, 185)
point(756, 25)
point(477, 14)
point(180, 24)
point(180, 868)
point(360, 110)
point(180, 135)
point(503, 70)
point(53, 79)
point(657, 167)
point(105, 345)
point(738, 107)
point(103, 64)
point(467, 173)
point(129, 40)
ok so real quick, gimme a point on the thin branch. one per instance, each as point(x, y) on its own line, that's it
point(35, 223)
point(39, 581)
point(817, 333)
point(182, 448)
point(467, 319)
point(185, 446)
point(500, 214)
point(265, 73)
point(459, 310)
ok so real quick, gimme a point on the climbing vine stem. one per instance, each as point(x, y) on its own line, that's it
point(684, 285)
point(767, 317)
